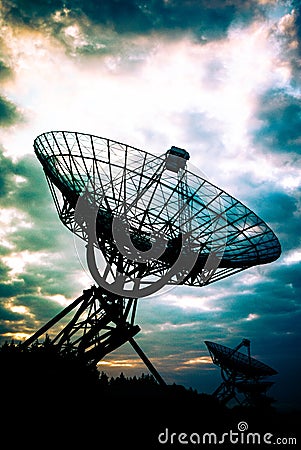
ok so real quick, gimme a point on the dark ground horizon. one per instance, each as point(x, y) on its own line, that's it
point(66, 398)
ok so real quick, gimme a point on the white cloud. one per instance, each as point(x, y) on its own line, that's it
point(60, 299)
point(292, 257)
point(148, 105)
point(11, 219)
point(20, 309)
point(166, 326)
point(198, 360)
point(251, 316)
point(203, 301)
point(145, 106)
point(17, 261)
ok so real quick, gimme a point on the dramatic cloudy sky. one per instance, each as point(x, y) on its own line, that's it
point(220, 78)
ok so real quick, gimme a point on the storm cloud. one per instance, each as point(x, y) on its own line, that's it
point(280, 120)
point(205, 19)
point(8, 112)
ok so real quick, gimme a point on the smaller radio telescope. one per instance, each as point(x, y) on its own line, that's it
point(244, 377)
point(151, 222)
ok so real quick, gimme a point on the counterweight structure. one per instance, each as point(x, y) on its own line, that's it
point(152, 221)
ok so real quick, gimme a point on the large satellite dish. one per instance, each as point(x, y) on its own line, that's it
point(243, 376)
point(148, 221)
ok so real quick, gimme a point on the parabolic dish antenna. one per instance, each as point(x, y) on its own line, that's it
point(241, 373)
point(148, 221)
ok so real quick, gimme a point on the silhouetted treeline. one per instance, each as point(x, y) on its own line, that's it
point(59, 393)
point(43, 366)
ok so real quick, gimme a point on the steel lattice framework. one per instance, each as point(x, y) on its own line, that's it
point(219, 223)
point(181, 228)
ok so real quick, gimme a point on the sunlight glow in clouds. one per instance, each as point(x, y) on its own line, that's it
point(199, 302)
point(18, 261)
point(176, 77)
point(150, 103)
point(60, 299)
point(199, 360)
point(20, 310)
point(133, 363)
point(11, 219)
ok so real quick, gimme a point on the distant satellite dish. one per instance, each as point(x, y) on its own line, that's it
point(241, 373)
point(237, 361)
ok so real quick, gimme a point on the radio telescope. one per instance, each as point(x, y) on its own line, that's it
point(244, 377)
point(148, 222)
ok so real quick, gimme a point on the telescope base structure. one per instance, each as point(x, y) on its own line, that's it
point(99, 325)
point(244, 392)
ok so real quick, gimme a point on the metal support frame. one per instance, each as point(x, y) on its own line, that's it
point(101, 323)
point(124, 181)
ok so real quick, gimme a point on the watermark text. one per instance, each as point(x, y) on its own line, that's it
point(239, 436)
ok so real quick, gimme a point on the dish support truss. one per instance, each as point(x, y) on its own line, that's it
point(101, 323)
point(161, 197)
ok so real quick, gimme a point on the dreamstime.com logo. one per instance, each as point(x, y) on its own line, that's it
point(241, 436)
